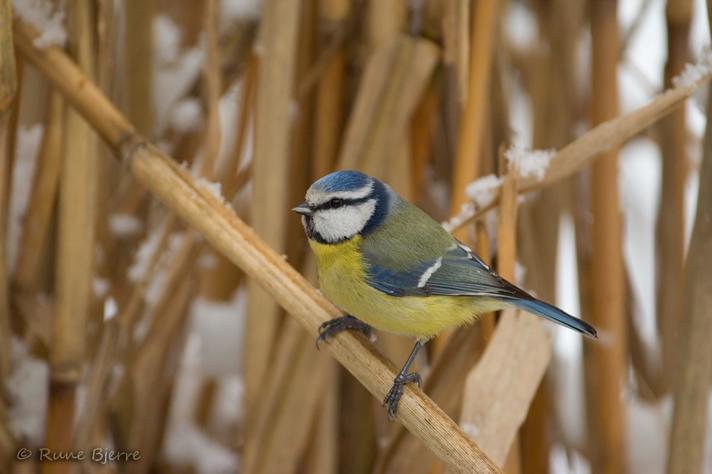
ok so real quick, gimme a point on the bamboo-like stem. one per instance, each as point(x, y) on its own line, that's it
point(694, 362)
point(42, 200)
point(270, 177)
point(606, 363)
point(206, 214)
point(75, 252)
point(469, 145)
point(671, 216)
point(588, 147)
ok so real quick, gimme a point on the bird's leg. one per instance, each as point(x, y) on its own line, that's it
point(347, 322)
point(403, 378)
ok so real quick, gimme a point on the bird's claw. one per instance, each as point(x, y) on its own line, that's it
point(396, 392)
point(332, 327)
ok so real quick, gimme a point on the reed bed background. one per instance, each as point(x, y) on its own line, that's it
point(157, 296)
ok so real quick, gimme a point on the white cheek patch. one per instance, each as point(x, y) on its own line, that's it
point(316, 197)
point(344, 222)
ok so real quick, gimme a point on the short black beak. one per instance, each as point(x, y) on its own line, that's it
point(303, 209)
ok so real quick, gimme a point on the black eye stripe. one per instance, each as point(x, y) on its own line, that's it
point(344, 202)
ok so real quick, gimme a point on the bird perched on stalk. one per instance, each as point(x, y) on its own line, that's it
point(390, 266)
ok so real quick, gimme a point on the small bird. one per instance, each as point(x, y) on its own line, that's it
point(390, 266)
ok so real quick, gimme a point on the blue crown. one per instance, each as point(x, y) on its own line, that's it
point(344, 180)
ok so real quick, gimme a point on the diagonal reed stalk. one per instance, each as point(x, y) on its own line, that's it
point(228, 234)
point(585, 149)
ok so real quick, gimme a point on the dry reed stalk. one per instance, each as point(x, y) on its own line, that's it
point(585, 149)
point(138, 63)
point(41, 204)
point(606, 362)
point(501, 387)
point(392, 84)
point(422, 133)
point(75, 251)
point(290, 393)
point(671, 216)
point(384, 20)
point(270, 178)
point(227, 233)
point(469, 144)
point(456, 38)
point(220, 282)
point(151, 370)
point(323, 452)
point(8, 89)
point(444, 384)
point(290, 404)
point(506, 261)
point(329, 114)
point(694, 358)
point(212, 90)
point(115, 341)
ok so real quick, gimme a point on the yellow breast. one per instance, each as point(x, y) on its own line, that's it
point(342, 281)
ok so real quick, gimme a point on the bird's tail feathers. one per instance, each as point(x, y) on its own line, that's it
point(552, 313)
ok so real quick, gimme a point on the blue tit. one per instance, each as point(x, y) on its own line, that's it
point(390, 266)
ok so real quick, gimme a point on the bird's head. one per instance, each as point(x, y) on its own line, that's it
point(343, 204)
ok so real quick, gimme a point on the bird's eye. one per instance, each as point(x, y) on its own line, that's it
point(336, 203)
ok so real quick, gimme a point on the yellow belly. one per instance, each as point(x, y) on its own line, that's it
point(341, 278)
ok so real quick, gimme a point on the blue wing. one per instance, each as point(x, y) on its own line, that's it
point(457, 272)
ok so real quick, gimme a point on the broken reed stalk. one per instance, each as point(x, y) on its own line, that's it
point(670, 236)
point(75, 252)
point(206, 214)
point(588, 147)
point(694, 358)
point(270, 179)
point(606, 362)
point(469, 144)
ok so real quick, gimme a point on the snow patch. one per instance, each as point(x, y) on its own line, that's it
point(529, 162)
point(45, 17)
point(483, 190)
point(123, 226)
point(187, 115)
point(27, 389)
point(694, 73)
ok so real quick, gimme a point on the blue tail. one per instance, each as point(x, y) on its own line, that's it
point(552, 313)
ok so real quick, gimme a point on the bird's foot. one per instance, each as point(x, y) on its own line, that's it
point(396, 392)
point(334, 326)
